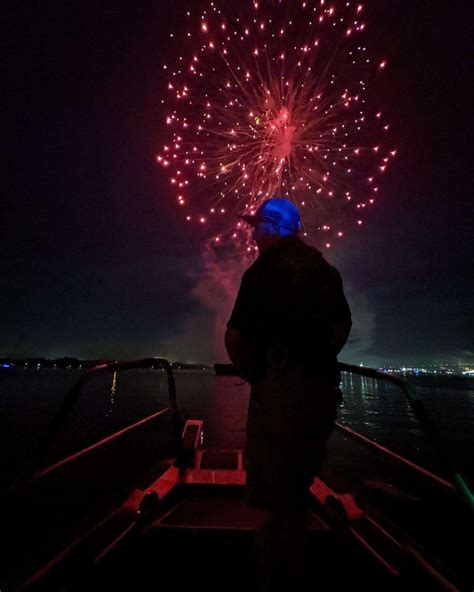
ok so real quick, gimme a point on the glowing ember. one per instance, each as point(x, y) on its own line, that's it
point(275, 102)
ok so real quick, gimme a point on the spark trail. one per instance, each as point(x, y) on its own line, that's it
point(275, 98)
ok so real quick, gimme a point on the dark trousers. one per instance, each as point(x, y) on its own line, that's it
point(280, 549)
point(291, 416)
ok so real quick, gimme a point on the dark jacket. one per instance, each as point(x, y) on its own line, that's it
point(289, 302)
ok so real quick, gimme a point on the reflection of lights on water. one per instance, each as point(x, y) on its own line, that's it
point(364, 390)
point(113, 389)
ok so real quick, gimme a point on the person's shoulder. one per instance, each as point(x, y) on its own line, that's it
point(252, 272)
point(331, 273)
point(311, 254)
point(321, 262)
point(334, 272)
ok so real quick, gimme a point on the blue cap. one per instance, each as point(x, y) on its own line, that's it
point(278, 211)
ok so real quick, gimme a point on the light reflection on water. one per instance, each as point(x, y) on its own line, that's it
point(113, 389)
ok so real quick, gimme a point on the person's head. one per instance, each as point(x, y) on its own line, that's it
point(276, 218)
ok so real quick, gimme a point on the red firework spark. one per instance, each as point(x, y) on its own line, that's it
point(275, 102)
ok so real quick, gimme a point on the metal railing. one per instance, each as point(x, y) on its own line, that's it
point(36, 469)
point(427, 425)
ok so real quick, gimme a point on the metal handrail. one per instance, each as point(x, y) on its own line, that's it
point(436, 479)
point(427, 425)
point(85, 451)
point(35, 472)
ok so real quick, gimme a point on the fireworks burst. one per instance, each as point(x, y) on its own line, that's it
point(275, 102)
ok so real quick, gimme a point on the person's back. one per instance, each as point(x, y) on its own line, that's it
point(289, 322)
point(292, 298)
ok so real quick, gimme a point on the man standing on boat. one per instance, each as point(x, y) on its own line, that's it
point(289, 322)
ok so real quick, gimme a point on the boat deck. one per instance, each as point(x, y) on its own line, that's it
point(203, 538)
point(191, 526)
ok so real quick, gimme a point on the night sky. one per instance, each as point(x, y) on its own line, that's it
point(96, 259)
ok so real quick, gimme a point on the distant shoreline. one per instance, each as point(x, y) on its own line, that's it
point(456, 376)
point(77, 364)
point(454, 381)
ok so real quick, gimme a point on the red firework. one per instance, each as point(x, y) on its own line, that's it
point(274, 101)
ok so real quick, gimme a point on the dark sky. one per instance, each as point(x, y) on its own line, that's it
point(96, 261)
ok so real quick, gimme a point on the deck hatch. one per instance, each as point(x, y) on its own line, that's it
point(219, 459)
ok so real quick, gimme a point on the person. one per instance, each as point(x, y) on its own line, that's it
point(289, 321)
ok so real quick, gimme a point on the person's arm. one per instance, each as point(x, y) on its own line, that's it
point(238, 351)
point(340, 334)
point(240, 348)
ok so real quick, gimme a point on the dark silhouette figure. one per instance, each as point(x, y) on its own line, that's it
point(289, 322)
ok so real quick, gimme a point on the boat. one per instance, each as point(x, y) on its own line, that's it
point(184, 522)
